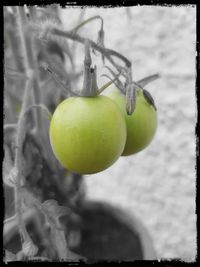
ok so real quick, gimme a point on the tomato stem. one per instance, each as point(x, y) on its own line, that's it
point(90, 80)
point(130, 94)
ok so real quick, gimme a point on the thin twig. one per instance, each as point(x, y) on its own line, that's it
point(73, 31)
point(10, 73)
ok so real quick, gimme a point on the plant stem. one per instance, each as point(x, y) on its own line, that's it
point(31, 64)
point(18, 165)
point(21, 130)
point(105, 51)
point(42, 107)
point(12, 41)
point(19, 215)
point(74, 43)
point(85, 22)
point(130, 94)
point(66, 89)
point(89, 83)
point(117, 82)
point(108, 84)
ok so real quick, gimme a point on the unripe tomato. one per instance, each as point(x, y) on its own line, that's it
point(87, 134)
point(141, 125)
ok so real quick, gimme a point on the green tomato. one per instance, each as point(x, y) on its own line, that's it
point(87, 134)
point(141, 125)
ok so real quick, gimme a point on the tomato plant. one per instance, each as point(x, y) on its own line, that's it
point(87, 134)
point(141, 125)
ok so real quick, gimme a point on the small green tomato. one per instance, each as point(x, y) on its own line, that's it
point(141, 125)
point(87, 134)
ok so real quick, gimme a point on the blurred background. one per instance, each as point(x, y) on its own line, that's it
point(158, 184)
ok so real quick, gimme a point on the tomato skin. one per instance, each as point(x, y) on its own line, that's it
point(87, 134)
point(141, 125)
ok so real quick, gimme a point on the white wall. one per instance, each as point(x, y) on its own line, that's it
point(157, 184)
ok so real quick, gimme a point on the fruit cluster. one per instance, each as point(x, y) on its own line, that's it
point(88, 134)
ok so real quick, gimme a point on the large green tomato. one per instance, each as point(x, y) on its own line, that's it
point(141, 125)
point(87, 134)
